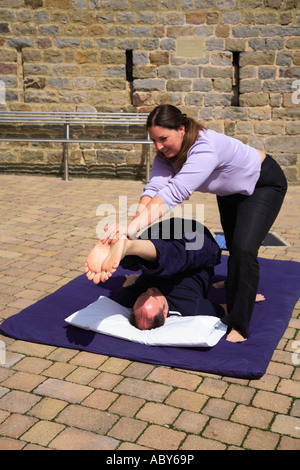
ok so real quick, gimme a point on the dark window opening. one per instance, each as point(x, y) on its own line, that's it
point(236, 79)
point(129, 66)
point(129, 72)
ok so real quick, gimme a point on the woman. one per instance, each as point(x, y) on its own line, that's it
point(250, 188)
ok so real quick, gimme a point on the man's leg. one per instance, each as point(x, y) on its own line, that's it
point(160, 257)
point(109, 256)
point(177, 251)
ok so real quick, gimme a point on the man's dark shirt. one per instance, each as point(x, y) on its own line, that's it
point(181, 275)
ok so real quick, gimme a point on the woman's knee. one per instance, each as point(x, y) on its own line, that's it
point(245, 249)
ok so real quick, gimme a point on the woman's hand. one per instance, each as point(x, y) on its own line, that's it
point(113, 233)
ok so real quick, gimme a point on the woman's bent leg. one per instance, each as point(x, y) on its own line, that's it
point(252, 217)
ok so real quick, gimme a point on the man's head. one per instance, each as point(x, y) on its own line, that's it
point(150, 310)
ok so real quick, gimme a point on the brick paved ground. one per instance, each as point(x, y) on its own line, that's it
point(55, 398)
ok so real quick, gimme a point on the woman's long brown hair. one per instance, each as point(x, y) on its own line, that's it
point(170, 117)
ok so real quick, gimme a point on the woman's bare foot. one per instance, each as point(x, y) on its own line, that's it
point(235, 337)
point(224, 306)
point(221, 285)
point(260, 298)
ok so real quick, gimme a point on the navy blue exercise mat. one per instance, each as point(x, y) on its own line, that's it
point(44, 323)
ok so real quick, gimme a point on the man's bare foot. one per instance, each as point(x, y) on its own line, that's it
point(111, 262)
point(235, 337)
point(130, 279)
point(93, 264)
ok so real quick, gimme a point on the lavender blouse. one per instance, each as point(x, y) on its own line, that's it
point(215, 164)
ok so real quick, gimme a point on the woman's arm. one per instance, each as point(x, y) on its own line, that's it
point(149, 210)
point(160, 175)
point(148, 214)
point(144, 201)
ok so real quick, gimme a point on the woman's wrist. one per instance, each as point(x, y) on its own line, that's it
point(131, 231)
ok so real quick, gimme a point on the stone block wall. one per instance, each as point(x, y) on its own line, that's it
point(233, 64)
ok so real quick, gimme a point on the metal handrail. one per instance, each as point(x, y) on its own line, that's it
point(71, 118)
point(25, 117)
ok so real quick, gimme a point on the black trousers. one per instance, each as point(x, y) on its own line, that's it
point(246, 220)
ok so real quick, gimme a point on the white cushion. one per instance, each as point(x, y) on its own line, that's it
point(110, 318)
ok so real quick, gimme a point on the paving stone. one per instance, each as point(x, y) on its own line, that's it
point(115, 365)
point(143, 389)
point(212, 387)
point(55, 388)
point(31, 349)
point(281, 370)
point(62, 354)
point(295, 411)
point(158, 413)
point(79, 416)
point(100, 399)
point(47, 408)
point(18, 401)
point(3, 415)
point(175, 378)
point(267, 382)
point(16, 425)
point(158, 437)
point(288, 443)
point(289, 387)
point(261, 440)
point(11, 359)
point(87, 359)
point(218, 408)
point(138, 370)
point(187, 400)
point(34, 365)
point(106, 381)
point(225, 431)
point(272, 401)
point(42, 432)
point(191, 422)
point(23, 381)
point(239, 393)
point(77, 439)
point(126, 405)
point(127, 429)
point(199, 443)
point(131, 446)
point(287, 425)
point(82, 375)
point(252, 416)
point(7, 443)
point(59, 370)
